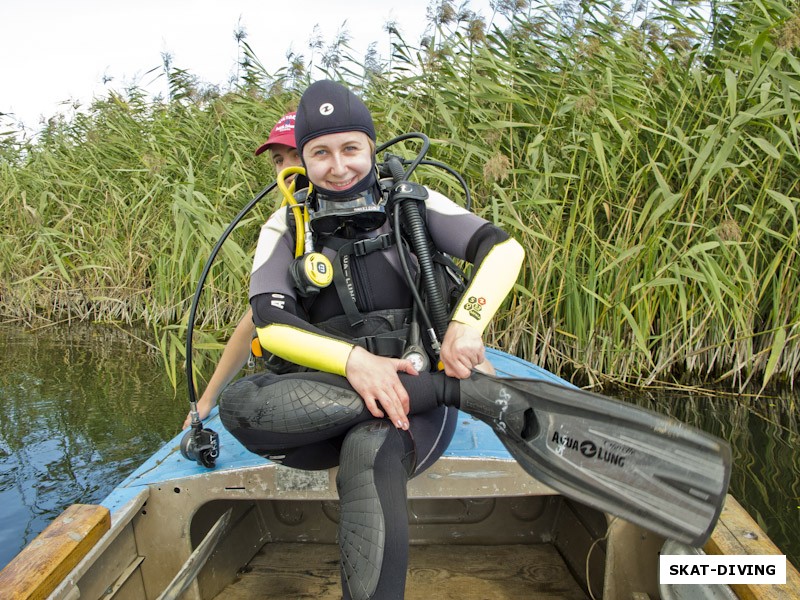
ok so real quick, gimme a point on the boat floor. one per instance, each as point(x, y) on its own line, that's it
point(306, 570)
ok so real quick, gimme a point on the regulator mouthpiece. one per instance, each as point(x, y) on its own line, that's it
point(311, 272)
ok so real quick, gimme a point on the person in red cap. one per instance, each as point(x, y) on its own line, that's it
point(283, 152)
point(281, 144)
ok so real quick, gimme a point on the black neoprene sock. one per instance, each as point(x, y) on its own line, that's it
point(430, 390)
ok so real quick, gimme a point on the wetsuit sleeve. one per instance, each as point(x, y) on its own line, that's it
point(491, 281)
point(280, 323)
point(281, 331)
point(496, 257)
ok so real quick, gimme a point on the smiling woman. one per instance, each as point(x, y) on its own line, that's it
point(338, 161)
point(336, 138)
point(346, 345)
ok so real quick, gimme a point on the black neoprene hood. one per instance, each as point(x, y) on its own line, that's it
point(329, 107)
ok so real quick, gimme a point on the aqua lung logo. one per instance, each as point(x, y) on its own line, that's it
point(278, 301)
point(348, 279)
point(326, 109)
point(591, 450)
point(588, 449)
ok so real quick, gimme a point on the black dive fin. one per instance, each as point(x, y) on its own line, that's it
point(647, 468)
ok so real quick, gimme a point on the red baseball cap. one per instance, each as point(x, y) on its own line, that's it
point(282, 133)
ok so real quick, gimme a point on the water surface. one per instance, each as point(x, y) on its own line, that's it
point(82, 407)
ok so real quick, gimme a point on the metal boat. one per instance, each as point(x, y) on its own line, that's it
point(480, 528)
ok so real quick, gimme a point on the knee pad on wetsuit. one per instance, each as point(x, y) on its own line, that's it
point(266, 411)
point(374, 466)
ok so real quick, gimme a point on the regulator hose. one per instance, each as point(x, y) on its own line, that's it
point(198, 444)
point(407, 136)
point(198, 292)
point(418, 237)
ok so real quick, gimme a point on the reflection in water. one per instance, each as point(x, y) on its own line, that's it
point(764, 437)
point(82, 408)
point(79, 410)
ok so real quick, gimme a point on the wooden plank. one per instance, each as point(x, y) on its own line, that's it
point(737, 533)
point(36, 571)
point(445, 572)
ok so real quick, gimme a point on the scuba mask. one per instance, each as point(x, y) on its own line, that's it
point(363, 211)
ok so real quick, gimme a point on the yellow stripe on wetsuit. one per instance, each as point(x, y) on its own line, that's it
point(490, 285)
point(305, 347)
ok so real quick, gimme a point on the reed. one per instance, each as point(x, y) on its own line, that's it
point(650, 171)
point(647, 161)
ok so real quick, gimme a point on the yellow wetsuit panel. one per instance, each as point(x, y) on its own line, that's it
point(490, 285)
point(305, 348)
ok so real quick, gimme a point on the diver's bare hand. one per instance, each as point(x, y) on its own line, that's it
point(462, 350)
point(375, 379)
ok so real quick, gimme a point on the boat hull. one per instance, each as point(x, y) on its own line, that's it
point(474, 497)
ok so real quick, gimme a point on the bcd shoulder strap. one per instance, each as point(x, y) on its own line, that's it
point(343, 277)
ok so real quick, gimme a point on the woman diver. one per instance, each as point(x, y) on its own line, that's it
point(347, 396)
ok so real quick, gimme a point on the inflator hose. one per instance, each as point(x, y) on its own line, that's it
point(418, 236)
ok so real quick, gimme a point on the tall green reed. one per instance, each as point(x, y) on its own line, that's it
point(647, 161)
point(652, 176)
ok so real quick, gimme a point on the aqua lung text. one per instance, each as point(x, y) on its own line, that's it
point(589, 449)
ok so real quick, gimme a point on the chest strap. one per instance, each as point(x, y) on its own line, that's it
point(343, 276)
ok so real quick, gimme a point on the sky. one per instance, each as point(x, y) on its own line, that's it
point(54, 53)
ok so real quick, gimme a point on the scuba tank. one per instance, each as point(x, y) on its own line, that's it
point(404, 200)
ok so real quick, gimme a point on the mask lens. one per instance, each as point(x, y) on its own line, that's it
point(361, 213)
point(369, 221)
point(326, 225)
point(330, 224)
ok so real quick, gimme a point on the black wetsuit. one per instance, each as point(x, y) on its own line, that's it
point(313, 419)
